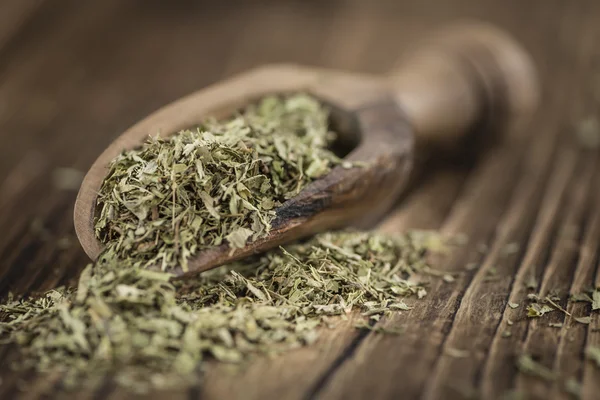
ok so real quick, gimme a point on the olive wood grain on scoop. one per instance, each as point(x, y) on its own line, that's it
point(462, 77)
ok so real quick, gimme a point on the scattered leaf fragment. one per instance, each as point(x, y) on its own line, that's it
point(456, 353)
point(482, 248)
point(529, 366)
point(510, 249)
point(532, 282)
point(218, 181)
point(536, 310)
point(596, 300)
point(163, 329)
point(592, 353)
point(573, 387)
point(588, 133)
point(581, 297)
point(237, 238)
point(583, 320)
point(471, 266)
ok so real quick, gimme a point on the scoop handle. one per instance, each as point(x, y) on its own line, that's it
point(463, 76)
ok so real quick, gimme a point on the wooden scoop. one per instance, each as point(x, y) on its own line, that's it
point(462, 77)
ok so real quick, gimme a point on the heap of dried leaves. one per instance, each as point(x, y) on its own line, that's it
point(219, 182)
point(173, 197)
point(156, 332)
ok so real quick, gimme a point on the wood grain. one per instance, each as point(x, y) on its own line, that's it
point(73, 75)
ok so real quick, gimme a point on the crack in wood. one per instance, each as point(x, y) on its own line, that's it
point(537, 255)
point(348, 352)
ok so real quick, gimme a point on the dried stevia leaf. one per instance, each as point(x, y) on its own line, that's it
point(592, 353)
point(237, 238)
point(596, 300)
point(203, 187)
point(138, 322)
point(537, 310)
point(583, 320)
point(213, 184)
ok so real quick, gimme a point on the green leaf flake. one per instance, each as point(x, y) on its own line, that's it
point(592, 353)
point(583, 320)
point(573, 387)
point(457, 353)
point(536, 310)
point(596, 300)
point(532, 282)
point(511, 248)
point(529, 366)
point(581, 297)
point(237, 238)
point(214, 182)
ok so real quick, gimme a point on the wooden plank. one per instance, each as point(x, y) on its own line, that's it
point(574, 335)
point(475, 322)
point(542, 340)
point(475, 325)
point(499, 368)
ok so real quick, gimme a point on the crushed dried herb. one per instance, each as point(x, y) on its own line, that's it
point(213, 184)
point(596, 300)
point(200, 188)
point(591, 296)
point(581, 297)
point(154, 330)
point(573, 387)
point(543, 305)
point(535, 310)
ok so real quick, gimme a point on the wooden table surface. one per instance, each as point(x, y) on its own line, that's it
point(75, 74)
